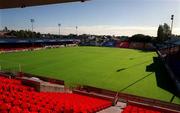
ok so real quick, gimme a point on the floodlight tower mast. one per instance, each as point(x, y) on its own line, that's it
point(77, 30)
point(32, 22)
point(172, 20)
point(59, 25)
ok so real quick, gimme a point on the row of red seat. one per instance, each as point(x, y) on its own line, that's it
point(137, 109)
point(18, 48)
point(122, 44)
point(13, 85)
point(17, 98)
point(9, 81)
point(12, 49)
point(135, 45)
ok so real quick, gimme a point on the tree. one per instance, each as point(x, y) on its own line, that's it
point(167, 31)
point(38, 35)
point(140, 38)
point(5, 29)
point(160, 33)
point(163, 32)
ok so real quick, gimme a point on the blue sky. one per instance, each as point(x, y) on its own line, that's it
point(114, 17)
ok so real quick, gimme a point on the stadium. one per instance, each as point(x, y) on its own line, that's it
point(55, 75)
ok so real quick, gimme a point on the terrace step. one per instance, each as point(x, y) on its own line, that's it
point(114, 109)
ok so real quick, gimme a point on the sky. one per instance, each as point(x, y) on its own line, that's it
point(100, 17)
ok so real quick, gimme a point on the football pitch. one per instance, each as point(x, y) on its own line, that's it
point(122, 70)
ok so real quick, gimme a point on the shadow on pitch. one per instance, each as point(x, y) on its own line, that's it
point(163, 79)
point(146, 51)
point(122, 69)
point(133, 66)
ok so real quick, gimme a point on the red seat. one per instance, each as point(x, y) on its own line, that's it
point(15, 109)
point(5, 106)
point(16, 97)
point(136, 109)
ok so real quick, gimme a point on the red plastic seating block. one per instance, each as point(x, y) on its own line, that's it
point(4, 111)
point(15, 109)
point(5, 106)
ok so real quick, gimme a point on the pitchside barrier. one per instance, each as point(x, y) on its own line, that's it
point(93, 95)
point(47, 87)
point(4, 75)
point(51, 80)
point(31, 83)
point(153, 103)
point(132, 99)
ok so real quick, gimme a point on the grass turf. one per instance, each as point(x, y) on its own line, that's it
point(115, 69)
point(176, 100)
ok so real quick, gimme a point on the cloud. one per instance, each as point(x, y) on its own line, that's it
point(118, 30)
point(105, 30)
point(176, 31)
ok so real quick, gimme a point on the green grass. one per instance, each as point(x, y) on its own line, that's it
point(176, 100)
point(109, 68)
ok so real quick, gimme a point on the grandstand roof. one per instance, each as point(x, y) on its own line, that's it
point(2, 33)
point(4, 4)
point(174, 40)
point(34, 40)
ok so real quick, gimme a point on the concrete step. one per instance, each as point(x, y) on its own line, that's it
point(118, 108)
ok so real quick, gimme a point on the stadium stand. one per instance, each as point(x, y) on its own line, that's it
point(149, 46)
point(174, 63)
point(151, 104)
point(136, 45)
point(123, 44)
point(169, 54)
point(137, 109)
point(109, 44)
point(17, 98)
point(22, 44)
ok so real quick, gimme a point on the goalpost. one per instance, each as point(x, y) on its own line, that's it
point(10, 67)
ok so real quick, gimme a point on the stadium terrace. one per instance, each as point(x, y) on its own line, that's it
point(56, 73)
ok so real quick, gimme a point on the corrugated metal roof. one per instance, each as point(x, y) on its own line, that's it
point(4, 4)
